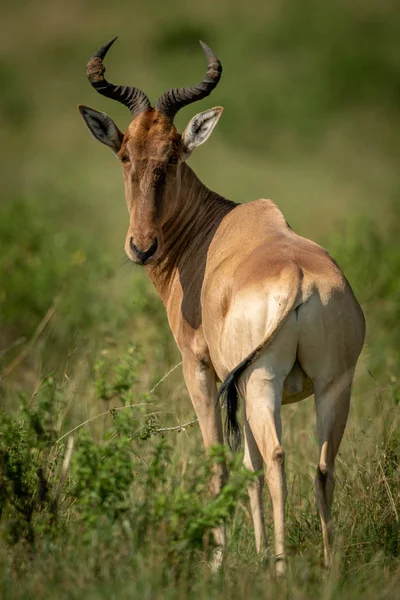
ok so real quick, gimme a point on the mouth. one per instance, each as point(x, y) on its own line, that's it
point(138, 261)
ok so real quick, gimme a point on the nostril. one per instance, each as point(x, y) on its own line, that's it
point(153, 248)
point(143, 255)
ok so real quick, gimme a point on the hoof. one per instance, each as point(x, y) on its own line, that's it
point(217, 559)
point(327, 560)
point(280, 565)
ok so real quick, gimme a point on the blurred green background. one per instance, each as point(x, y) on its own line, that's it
point(311, 92)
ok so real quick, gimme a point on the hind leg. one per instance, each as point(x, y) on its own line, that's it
point(254, 462)
point(332, 403)
point(263, 402)
point(330, 341)
point(262, 389)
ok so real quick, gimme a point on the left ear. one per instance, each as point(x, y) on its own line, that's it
point(200, 128)
point(102, 127)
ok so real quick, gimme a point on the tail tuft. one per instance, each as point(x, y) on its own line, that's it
point(229, 394)
point(228, 391)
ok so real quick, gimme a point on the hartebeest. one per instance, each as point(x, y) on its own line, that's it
point(250, 303)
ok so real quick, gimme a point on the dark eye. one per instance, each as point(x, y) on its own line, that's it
point(173, 160)
point(125, 158)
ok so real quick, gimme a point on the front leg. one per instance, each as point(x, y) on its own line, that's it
point(200, 380)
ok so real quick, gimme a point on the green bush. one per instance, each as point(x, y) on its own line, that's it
point(110, 489)
point(43, 266)
point(28, 468)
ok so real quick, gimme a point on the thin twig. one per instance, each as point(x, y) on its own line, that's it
point(111, 438)
point(119, 407)
point(107, 412)
point(65, 466)
point(140, 458)
point(389, 493)
point(177, 427)
point(13, 345)
point(164, 377)
point(38, 332)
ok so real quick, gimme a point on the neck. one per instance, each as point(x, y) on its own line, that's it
point(188, 232)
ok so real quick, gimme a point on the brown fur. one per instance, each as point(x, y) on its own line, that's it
point(237, 281)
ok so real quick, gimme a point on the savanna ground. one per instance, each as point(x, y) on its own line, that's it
point(108, 506)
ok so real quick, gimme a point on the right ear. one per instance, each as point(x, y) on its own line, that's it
point(102, 127)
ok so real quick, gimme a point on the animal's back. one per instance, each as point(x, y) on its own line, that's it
point(261, 271)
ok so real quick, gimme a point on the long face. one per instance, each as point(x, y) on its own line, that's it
point(150, 153)
point(151, 150)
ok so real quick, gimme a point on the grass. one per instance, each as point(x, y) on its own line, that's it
point(131, 502)
point(311, 119)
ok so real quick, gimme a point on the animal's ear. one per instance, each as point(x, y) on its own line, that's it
point(102, 127)
point(200, 128)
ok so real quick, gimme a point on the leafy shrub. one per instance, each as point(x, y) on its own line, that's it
point(43, 266)
point(28, 467)
point(111, 492)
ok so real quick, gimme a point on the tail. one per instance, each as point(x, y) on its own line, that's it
point(229, 393)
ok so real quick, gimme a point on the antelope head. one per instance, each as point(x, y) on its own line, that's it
point(151, 150)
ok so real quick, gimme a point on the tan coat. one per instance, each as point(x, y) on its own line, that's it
point(249, 302)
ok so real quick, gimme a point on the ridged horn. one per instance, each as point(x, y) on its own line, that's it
point(132, 97)
point(175, 99)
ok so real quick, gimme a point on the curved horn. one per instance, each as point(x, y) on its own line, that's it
point(175, 99)
point(132, 97)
